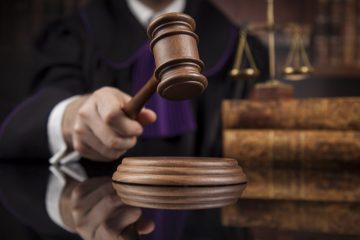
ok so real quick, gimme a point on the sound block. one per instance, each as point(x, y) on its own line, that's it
point(179, 182)
point(179, 171)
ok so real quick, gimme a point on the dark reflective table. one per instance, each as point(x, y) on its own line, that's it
point(83, 197)
point(80, 199)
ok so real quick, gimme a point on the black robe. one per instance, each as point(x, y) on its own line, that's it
point(94, 48)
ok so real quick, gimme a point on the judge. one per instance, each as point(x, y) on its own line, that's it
point(88, 66)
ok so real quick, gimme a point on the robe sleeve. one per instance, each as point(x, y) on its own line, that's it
point(58, 74)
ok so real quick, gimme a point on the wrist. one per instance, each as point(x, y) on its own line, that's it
point(69, 119)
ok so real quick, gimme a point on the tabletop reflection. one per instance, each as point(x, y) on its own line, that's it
point(80, 201)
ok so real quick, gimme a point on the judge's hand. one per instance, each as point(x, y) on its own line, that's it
point(97, 128)
point(94, 211)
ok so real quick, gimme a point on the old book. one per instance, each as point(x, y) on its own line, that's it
point(292, 147)
point(317, 113)
point(303, 184)
point(336, 22)
point(349, 33)
point(321, 37)
point(310, 216)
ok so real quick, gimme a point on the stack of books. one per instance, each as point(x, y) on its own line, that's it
point(319, 131)
point(302, 161)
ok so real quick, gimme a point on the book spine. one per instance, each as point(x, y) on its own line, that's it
point(357, 34)
point(321, 39)
point(349, 33)
point(322, 113)
point(290, 147)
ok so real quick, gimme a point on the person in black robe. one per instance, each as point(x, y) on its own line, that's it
point(102, 46)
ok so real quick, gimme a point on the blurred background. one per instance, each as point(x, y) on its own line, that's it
point(23, 20)
point(332, 42)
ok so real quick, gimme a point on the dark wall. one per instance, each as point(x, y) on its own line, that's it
point(20, 22)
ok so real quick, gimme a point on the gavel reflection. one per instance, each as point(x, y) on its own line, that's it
point(178, 183)
point(178, 66)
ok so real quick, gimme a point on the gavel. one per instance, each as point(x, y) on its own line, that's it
point(177, 77)
point(178, 66)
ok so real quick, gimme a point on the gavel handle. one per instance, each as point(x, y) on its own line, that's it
point(133, 107)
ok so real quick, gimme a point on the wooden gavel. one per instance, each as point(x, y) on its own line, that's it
point(178, 66)
point(177, 77)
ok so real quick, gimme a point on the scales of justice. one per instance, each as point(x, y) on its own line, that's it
point(297, 66)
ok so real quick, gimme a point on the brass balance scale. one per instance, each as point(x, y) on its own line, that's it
point(297, 66)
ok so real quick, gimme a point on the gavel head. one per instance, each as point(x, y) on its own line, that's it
point(178, 66)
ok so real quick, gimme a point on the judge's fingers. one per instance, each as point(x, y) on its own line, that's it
point(90, 207)
point(118, 226)
point(87, 224)
point(146, 116)
point(87, 137)
point(84, 199)
point(88, 114)
point(83, 189)
point(109, 103)
point(84, 150)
